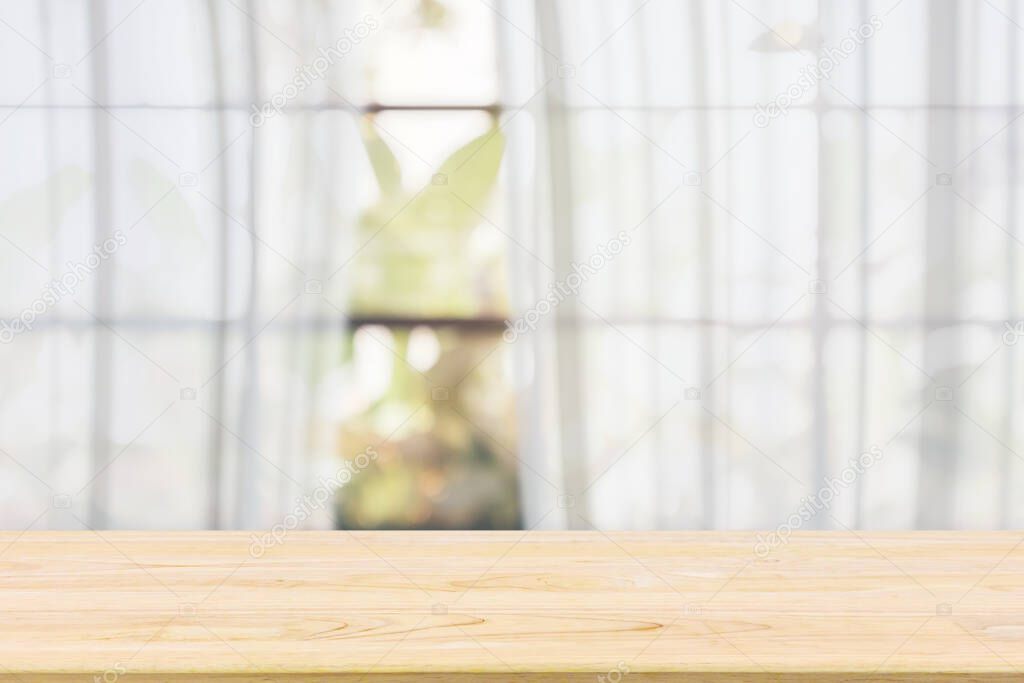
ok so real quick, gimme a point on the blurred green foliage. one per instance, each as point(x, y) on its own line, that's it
point(451, 464)
point(417, 256)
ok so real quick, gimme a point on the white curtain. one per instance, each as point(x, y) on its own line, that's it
point(748, 246)
point(823, 259)
point(180, 385)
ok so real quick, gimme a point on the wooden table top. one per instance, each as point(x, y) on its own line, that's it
point(424, 606)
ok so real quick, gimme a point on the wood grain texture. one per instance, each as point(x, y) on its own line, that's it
point(508, 606)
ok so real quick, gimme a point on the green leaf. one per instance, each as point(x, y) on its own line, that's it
point(382, 159)
point(472, 170)
point(460, 201)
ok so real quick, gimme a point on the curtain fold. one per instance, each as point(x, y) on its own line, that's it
point(190, 380)
point(822, 206)
point(754, 246)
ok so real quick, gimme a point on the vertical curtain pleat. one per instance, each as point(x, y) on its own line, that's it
point(102, 304)
point(248, 492)
point(940, 439)
point(222, 261)
point(1010, 365)
point(698, 60)
point(824, 383)
point(864, 236)
point(557, 145)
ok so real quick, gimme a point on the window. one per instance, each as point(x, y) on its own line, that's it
point(297, 274)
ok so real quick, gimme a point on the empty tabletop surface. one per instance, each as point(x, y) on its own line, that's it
point(511, 605)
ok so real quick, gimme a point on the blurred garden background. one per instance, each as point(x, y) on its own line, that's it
point(557, 263)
